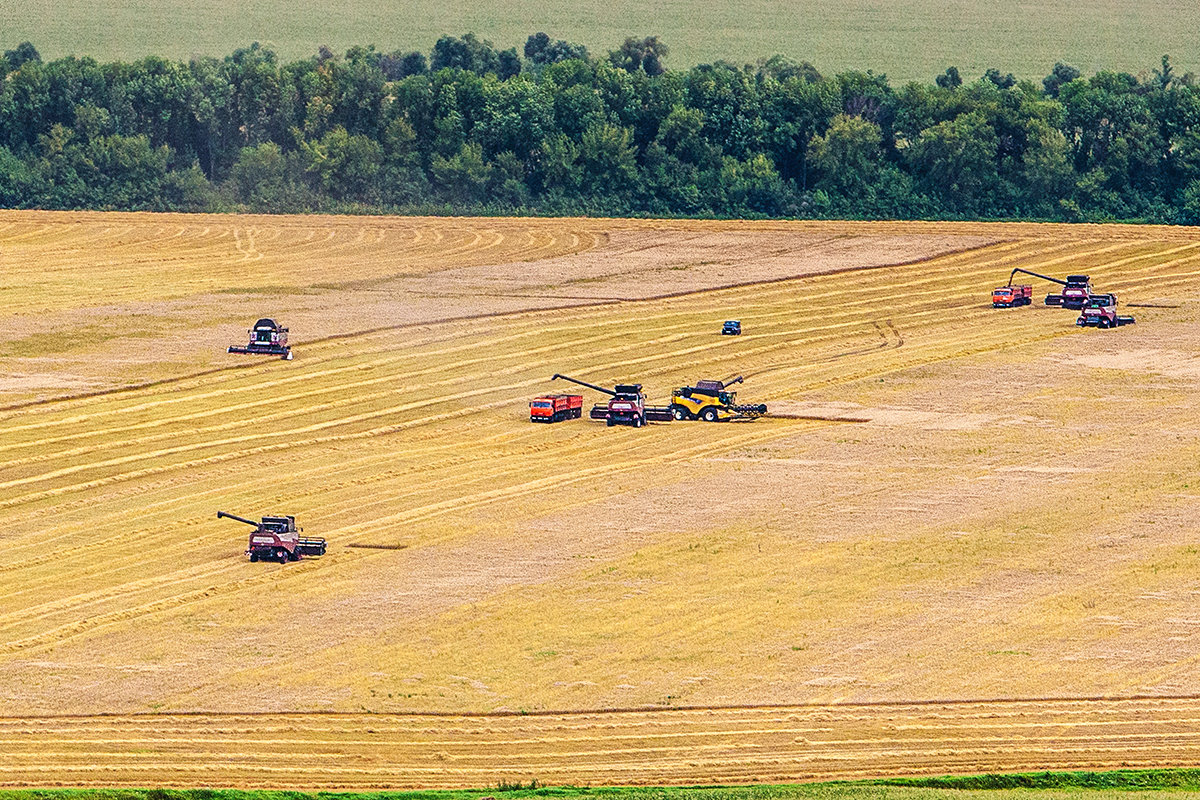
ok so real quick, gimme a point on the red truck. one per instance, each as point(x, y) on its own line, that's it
point(555, 407)
point(1012, 296)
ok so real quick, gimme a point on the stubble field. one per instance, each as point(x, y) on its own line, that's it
point(955, 513)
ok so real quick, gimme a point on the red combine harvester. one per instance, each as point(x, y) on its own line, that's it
point(627, 405)
point(1011, 296)
point(267, 338)
point(277, 539)
point(555, 407)
point(1077, 291)
point(1098, 315)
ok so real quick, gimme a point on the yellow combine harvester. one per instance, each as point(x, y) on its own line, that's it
point(709, 401)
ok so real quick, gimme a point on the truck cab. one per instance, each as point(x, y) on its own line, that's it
point(1011, 296)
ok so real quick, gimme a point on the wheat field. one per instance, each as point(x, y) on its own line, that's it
point(962, 541)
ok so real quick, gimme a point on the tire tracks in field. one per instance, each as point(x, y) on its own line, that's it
point(437, 511)
point(665, 746)
point(479, 499)
point(390, 329)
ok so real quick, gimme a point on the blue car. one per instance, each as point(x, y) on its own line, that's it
point(732, 327)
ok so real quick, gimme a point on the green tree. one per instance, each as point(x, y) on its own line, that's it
point(849, 156)
point(259, 175)
point(607, 161)
point(465, 176)
point(645, 55)
point(22, 54)
point(344, 166)
point(955, 161)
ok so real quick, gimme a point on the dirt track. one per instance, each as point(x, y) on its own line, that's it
point(955, 503)
point(680, 747)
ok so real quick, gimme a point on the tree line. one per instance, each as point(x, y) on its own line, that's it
point(554, 129)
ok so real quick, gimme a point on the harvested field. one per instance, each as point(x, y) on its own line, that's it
point(671, 748)
point(953, 503)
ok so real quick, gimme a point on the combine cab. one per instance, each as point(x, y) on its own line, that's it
point(267, 338)
point(277, 539)
point(709, 401)
point(1101, 315)
point(626, 406)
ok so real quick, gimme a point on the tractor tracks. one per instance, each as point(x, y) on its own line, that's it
point(638, 746)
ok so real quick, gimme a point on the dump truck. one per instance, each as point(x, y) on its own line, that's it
point(277, 539)
point(1101, 315)
point(1077, 291)
point(1012, 296)
point(555, 407)
point(626, 405)
point(267, 338)
point(709, 401)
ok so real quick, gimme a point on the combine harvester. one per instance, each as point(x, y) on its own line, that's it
point(277, 539)
point(267, 338)
point(709, 401)
point(627, 405)
point(1101, 315)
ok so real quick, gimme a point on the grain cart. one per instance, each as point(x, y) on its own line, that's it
point(626, 406)
point(277, 539)
point(1077, 291)
point(267, 338)
point(709, 401)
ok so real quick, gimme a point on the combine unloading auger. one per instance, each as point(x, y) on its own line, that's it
point(1077, 291)
point(627, 406)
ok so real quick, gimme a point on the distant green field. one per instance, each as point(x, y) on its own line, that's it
point(907, 39)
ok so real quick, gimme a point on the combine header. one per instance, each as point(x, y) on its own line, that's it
point(627, 405)
point(276, 539)
point(1077, 292)
point(267, 338)
point(709, 401)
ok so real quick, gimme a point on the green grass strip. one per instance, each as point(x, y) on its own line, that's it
point(997, 786)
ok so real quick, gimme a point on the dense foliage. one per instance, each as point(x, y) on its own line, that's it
point(554, 130)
